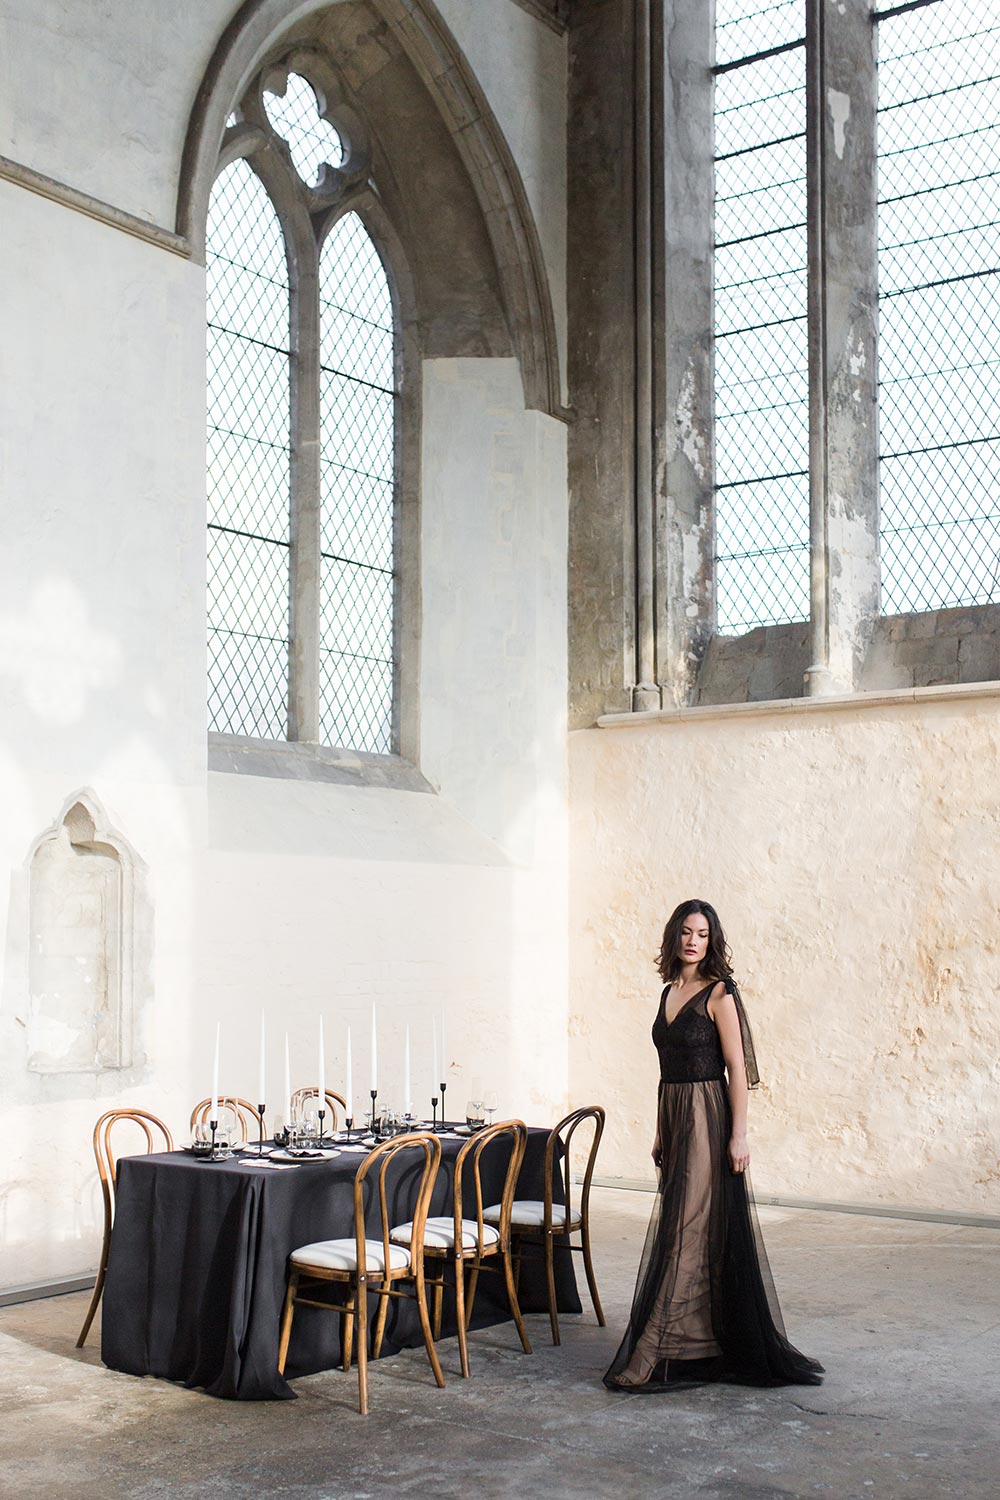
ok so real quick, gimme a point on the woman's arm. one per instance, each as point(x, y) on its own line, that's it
point(722, 1009)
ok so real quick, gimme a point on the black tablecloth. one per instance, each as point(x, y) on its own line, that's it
point(198, 1259)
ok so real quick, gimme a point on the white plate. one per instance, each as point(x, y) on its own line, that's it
point(235, 1147)
point(278, 1155)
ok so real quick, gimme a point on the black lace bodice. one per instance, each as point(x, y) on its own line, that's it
point(689, 1047)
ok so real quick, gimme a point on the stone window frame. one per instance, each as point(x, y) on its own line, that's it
point(847, 645)
point(306, 216)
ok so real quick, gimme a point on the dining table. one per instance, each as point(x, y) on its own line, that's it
point(198, 1260)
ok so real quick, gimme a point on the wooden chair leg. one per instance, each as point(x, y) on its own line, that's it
point(591, 1278)
point(515, 1305)
point(361, 1314)
point(383, 1308)
point(550, 1277)
point(463, 1343)
point(348, 1336)
point(470, 1296)
point(95, 1299)
point(425, 1324)
point(437, 1301)
point(287, 1315)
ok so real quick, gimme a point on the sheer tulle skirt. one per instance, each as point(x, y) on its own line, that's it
point(704, 1306)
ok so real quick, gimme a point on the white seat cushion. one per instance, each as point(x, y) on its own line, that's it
point(342, 1255)
point(531, 1212)
point(440, 1233)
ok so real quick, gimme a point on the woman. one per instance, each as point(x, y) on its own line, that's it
point(704, 1305)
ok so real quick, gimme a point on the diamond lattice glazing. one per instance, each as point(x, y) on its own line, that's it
point(357, 405)
point(311, 141)
point(761, 336)
point(248, 460)
point(939, 305)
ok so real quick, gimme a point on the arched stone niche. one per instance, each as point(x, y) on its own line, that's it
point(441, 170)
point(81, 916)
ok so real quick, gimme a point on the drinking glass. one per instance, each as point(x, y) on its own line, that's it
point(490, 1103)
point(307, 1129)
point(474, 1114)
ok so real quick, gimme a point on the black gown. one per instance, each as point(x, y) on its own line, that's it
point(704, 1306)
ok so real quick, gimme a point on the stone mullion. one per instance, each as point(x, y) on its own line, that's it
point(684, 303)
point(843, 308)
point(304, 639)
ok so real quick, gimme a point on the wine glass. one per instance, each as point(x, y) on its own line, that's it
point(474, 1114)
point(490, 1103)
point(307, 1129)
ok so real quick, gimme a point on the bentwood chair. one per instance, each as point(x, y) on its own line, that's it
point(333, 1103)
point(245, 1112)
point(471, 1243)
point(543, 1222)
point(108, 1172)
point(359, 1264)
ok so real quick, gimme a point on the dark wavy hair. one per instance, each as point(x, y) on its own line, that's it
point(716, 963)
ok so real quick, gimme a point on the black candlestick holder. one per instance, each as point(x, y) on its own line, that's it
point(434, 1108)
point(259, 1149)
point(322, 1116)
point(213, 1126)
point(348, 1126)
point(443, 1087)
point(374, 1094)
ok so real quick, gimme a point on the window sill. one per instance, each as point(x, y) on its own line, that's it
point(894, 697)
point(299, 761)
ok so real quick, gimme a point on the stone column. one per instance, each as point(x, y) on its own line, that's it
point(601, 298)
point(843, 305)
point(685, 470)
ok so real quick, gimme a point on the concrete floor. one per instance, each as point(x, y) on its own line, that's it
point(904, 1316)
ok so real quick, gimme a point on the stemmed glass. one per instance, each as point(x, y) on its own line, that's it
point(490, 1103)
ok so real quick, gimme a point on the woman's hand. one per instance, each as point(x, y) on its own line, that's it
point(657, 1154)
point(739, 1153)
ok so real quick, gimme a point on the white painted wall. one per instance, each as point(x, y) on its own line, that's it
point(284, 895)
point(854, 859)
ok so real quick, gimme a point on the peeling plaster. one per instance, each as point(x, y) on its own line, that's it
point(840, 110)
point(692, 438)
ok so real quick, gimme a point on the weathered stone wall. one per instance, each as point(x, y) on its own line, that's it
point(939, 646)
point(854, 857)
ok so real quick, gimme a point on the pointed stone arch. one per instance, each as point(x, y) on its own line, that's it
point(260, 29)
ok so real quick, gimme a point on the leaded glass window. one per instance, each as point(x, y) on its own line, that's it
point(761, 333)
point(939, 304)
point(302, 397)
point(248, 459)
point(357, 401)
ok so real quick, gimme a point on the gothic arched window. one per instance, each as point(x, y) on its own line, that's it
point(302, 392)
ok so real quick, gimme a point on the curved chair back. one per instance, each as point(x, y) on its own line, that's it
point(158, 1138)
point(471, 1153)
point(561, 1136)
point(333, 1103)
point(376, 1165)
point(107, 1168)
point(244, 1111)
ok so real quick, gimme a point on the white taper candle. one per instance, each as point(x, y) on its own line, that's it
point(349, 1092)
point(374, 1082)
point(288, 1087)
point(262, 1075)
point(215, 1074)
point(407, 1099)
point(435, 1071)
point(321, 1103)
